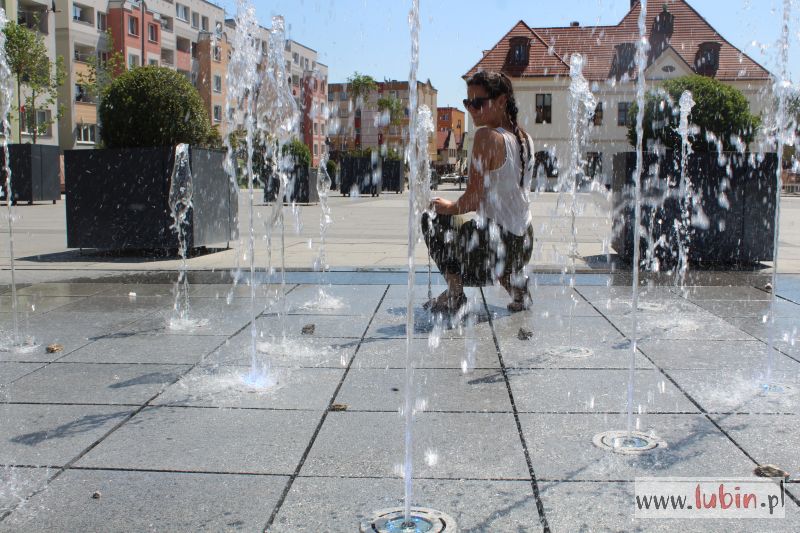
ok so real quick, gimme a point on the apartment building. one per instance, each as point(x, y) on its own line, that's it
point(309, 81)
point(363, 126)
point(38, 16)
point(450, 118)
point(186, 36)
point(682, 42)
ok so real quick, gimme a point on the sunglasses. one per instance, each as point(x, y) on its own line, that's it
point(477, 103)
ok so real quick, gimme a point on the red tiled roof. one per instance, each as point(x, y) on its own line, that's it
point(442, 138)
point(551, 48)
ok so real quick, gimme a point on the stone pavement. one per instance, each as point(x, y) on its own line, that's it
point(367, 233)
point(135, 427)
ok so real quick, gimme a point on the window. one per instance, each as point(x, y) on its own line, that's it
point(204, 23)
point(342, 96)
point(195, 20)
point(295, 80)
point(81, 94)
point(295, 57)
point(622, 113)
point(518, 51)
point(217, 83)
point(306, 62)
point(152, 33)
point(152, 62)
point(86, 133)
point(77, 11)
point(217, 53)
point(597, 118)
point(133, 26)
point(316, 149)
point(35, 122)
point(133, 61)
point(217, 113)
point(316, 128)
point(594, 164)
point(182, 12)
point(102, 21)
point(544, 109)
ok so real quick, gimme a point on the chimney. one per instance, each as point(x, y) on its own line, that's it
point(574, 24)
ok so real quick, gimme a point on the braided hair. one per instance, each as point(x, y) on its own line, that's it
point(496, 84)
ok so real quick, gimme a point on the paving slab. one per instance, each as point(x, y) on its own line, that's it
point(315, 504)
point(221, 318)
point(149, 501)
point(94, 383)
point(451, 390)
point(41, 435)
point(704, 354)
point(18, 483)
point(226, 386)
point(207, 440)
point(740, 391)
point(10, 371)
point(465, 445)
point(673, 326)
point(750, 308)
point(594, 506)
point(725, 293)
point(463, 353)
point(768, 439)
point(34, 304)
point(596, 390)
point(339, 300)
point(143, 348)
point(300, 351)
point(64, 289)
point(344, 326)
point(561, 448)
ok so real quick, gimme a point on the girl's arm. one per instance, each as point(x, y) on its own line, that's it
point(487, 155)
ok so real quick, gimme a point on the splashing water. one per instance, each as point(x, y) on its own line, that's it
point(413, 159)
point(242, 79)
point(17, 344)
point(278, 119)
point(685, 189)
point(642, 47)
point(781, 87)
point(181, 191)
point(582, 105)
point(323, 299)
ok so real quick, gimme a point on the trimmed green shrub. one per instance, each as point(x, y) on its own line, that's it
point(719, 108)
point(299, 152)
point(154, 106)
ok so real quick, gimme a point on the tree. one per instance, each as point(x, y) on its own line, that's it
point(360, 86)
point(153, 106)
point(394, 108)
point(27, 59)
point(102, 70)
point(719, 109)
point(300, 153)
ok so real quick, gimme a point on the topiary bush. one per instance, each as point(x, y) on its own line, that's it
point(153, 106)
point(719, 108)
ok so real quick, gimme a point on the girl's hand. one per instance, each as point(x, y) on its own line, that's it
point(443, 207)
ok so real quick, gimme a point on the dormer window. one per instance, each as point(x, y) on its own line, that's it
point(518, 52)
point(706, 62)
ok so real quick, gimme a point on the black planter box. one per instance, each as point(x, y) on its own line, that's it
point(392, 178)
point(359, 174)
point(118, 199)
point(741, 232)
point(302, 187)
point(34, 173)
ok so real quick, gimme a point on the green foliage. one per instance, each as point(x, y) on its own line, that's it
point(395, 108)
point(331, 167)
point(154, 106)
point(719, 108)
point(299, 152)
point(27, 59)
point(360, 85)
point(101, 73)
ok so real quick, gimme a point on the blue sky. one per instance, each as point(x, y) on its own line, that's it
point(372, 36)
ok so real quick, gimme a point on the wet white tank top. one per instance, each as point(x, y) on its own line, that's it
point(505, 201)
